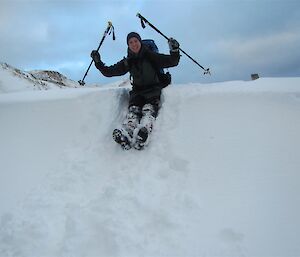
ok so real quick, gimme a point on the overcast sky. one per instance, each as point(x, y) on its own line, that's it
point(233, 38)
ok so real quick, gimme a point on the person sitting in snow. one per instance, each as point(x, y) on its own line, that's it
point(144, 101)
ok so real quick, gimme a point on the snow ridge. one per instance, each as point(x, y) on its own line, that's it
point(36, 80)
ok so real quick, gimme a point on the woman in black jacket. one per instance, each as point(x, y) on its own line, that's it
point(144, 102)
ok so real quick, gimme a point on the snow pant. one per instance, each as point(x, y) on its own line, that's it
point(142, 111)
point(139, 117)
point(148, 96)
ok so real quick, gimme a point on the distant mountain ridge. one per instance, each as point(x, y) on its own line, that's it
point(37, 79)
point(13, 80)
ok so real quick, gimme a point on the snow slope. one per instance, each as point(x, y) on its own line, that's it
point(219, 178)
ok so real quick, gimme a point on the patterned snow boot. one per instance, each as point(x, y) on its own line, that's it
point(145, 127)
point(120, 138)
point(124, 135)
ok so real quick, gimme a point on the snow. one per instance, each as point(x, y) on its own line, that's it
point(219, 178)
point(15, 80)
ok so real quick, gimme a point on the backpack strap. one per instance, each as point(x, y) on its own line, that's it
point(127, 66)
point(164, 78)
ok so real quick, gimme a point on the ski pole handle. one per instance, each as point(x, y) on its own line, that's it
point(109, 27)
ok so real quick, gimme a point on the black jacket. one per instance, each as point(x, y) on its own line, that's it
point(143, 68)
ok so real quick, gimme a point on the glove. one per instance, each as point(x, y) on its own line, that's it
point(173, 45)
point(95, 56)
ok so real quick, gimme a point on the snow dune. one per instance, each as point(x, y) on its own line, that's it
point(219, 178)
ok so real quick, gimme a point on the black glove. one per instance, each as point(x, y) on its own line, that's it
point(95, 56)
point(173, 45)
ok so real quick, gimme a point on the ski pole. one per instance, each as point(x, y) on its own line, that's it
point(143, 20)
point(109, 29)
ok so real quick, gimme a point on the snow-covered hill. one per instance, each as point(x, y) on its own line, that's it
point(13, 79)
point(219, 178)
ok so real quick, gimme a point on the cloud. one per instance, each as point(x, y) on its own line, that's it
point(268, 54)
point(233, 38)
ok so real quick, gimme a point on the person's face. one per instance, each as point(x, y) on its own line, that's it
point(134, 45)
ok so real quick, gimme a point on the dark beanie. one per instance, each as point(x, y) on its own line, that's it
point(133, 34)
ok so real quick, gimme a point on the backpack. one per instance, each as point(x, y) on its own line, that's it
point(164, 78)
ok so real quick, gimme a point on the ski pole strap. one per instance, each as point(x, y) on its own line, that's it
point(112, 29)
point(109, 29)
point(144, 20)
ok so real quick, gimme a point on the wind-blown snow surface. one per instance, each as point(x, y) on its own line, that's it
point(219, 178)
